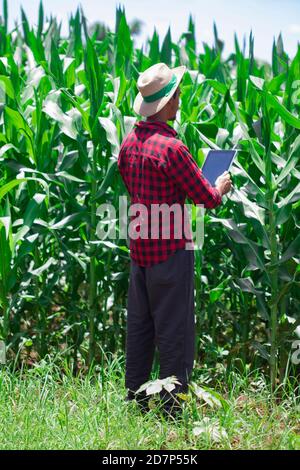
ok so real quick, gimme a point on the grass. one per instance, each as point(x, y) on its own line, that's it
point(45, 407)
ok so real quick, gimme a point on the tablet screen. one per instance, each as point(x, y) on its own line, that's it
point(216, 162)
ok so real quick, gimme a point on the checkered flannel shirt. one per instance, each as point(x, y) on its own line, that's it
point(157, 168)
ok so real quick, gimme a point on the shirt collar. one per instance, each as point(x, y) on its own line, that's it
point(156, 125)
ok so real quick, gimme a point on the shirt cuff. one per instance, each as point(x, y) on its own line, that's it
point(219, 197)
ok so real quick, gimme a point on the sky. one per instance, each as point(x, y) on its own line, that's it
point(266, 18)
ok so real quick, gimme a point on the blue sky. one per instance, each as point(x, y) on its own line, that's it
point(266, 18)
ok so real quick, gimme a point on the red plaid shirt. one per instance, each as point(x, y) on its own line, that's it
point(158, 168)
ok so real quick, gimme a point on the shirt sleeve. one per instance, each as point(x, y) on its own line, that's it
point(121, 168)
point(184, 171)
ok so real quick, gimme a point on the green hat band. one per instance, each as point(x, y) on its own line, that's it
point(163, 92)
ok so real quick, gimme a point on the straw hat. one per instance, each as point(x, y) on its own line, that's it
point(156, 86)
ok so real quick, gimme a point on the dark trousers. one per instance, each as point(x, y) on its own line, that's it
point(161, 313)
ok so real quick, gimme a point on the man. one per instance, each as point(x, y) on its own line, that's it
point(157, 168)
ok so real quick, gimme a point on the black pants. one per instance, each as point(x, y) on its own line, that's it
point(161, 313)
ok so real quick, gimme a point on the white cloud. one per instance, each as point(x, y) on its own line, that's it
point(294, 28)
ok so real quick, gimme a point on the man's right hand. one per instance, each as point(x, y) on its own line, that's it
point(224, 183)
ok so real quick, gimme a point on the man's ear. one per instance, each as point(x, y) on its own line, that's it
point(170, 103)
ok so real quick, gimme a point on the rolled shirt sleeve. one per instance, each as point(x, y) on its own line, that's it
point(184, 171)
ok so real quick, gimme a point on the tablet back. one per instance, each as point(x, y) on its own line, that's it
point(216, 162)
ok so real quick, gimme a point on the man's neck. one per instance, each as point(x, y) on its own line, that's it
point(156, 120)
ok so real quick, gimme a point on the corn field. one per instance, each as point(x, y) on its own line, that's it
point(66, 104)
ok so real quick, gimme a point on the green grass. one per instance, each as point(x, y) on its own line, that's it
point(46, 408)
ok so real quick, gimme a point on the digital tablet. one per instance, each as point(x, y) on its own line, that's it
point(216, 162)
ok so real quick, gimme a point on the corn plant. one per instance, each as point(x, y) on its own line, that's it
point(66, 105)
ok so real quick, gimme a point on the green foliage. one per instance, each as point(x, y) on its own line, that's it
point(67, 104)
point(85, 412)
